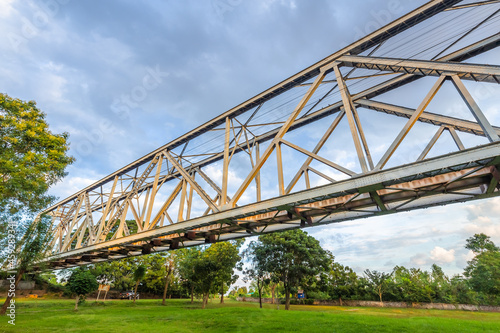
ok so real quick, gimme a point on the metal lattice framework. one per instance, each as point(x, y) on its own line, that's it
point(255, 168)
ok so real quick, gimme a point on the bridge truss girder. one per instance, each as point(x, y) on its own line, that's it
point(175, 199)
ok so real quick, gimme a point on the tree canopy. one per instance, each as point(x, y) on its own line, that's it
point(480, 243)
point(139, 274)
point(211, 269)
point(81, 282)
point(483, 270)
point(32, 158)
point(293, 257)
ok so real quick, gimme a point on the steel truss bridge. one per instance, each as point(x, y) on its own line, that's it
point(256, 168)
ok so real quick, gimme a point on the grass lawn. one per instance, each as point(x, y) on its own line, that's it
point(181, 316)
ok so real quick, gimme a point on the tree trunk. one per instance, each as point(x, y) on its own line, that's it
point(272, 292)
point(287, 297)
point(259, 288)
point(340, 301)
point(165, 291)
point(76, 303)
point(169, 271)
point(205, 300)
point(192, 293)
point(135, 290)
point(222, 293)
point(9, 294)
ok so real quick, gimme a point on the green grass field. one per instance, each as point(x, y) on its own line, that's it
point(181, 316)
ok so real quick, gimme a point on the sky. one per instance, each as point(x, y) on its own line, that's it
point(125, 77)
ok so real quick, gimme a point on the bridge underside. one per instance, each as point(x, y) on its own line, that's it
point(358, 134)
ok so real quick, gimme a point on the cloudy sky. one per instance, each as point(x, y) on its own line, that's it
point(124, 77)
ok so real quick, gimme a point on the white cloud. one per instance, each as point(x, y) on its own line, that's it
point(483, 218)
point(6, 8)
point(441, 255)
point(491, 230)
point(469, 256)
point(419, 259)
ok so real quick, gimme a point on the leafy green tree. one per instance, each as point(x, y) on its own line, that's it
point(28, 252)
point(186, 260)
point(439, 283)
point(139, 274)
point(257, 272)
point(379, 281)
point(169, 268)
point(457, 291)
point(228, 259)
point(238, 291)
point(118, 272)
point(32, 158)
point(205, 273)
point(413, 284)
point(480, 243)
point(483, 271)
point(80, 283)
point(154, 280)
point(342, 281)
point(294, 258)
point(208, 269)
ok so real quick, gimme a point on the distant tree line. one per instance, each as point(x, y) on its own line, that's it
point(294, 261)
point(278, 265)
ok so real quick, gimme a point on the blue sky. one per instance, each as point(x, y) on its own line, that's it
point(124, 77)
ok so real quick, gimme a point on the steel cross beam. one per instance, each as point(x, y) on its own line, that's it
point(473, 72)
point(426, 117)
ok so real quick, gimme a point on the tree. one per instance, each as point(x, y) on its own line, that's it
point(227, 258)
point(119, 272)
point(480, 243)
point(31, 160)
point(205, 273)
point(31, 157)
point(342, 280)
point(413, 284)
point(169, 269)
point(294, 257)
point(139, 274)
point(28, 252)
point(238, 291)
point(257, 271)
point(186, 262)
point(439, 284)
point(378, 280)
point(208, 269)
point(483, 270)
point(80, 283)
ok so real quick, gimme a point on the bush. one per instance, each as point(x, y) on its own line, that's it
point(43, 283)
point(319, 295)
point(308, 301)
